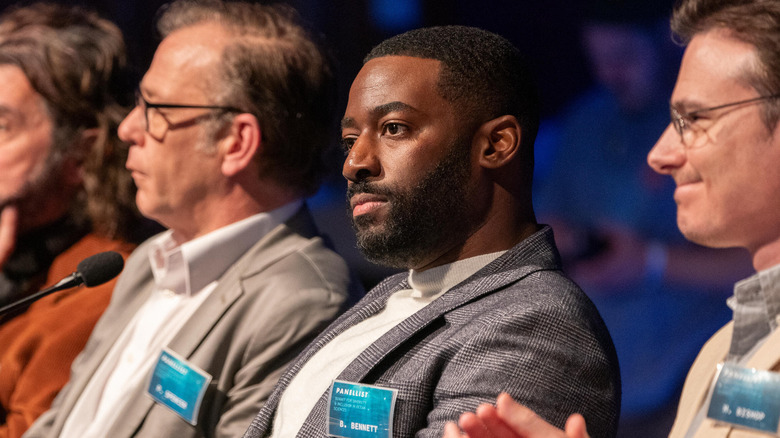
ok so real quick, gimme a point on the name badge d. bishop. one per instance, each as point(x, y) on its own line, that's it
point(178, 385)
point(747, 398)
point(360, 411)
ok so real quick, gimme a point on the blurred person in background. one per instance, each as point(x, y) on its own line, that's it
point(64, 192)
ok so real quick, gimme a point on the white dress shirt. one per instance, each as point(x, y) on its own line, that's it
point(184, 276)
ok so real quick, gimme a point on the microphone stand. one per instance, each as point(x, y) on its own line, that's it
point(92, 271)
point(68, 282)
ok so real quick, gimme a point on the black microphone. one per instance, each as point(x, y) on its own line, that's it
point(92, 271)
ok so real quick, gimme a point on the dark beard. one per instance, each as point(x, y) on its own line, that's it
point(421, 221)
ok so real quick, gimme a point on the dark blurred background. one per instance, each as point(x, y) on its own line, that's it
point(547, 31)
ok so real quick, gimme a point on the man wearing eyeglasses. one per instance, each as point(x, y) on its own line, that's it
point(225, 138)
point(722, 149)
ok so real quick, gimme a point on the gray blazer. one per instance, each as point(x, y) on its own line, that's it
point(265, 309)
point(518, 325)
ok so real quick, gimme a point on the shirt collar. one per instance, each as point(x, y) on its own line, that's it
point(441, 278)
point(191, 266)
point(756, 306)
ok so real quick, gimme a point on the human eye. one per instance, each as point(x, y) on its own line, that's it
point(690, 120)
point(394, 129)
point(5, 127)
point(687, 121)
point(347, 142)
point(693, 117)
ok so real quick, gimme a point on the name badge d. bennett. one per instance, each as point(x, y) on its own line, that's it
point(746, 397)
point(360, 411)
point(178, 385)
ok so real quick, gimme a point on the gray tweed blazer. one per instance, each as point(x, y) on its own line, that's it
point(518, 325)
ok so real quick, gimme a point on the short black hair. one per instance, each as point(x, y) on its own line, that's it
point(482, 72)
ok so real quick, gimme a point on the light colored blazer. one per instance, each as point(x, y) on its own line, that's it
point(518, 325)
point(701, 376)
point(264, 310)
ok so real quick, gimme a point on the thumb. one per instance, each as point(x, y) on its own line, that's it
point(575, 427)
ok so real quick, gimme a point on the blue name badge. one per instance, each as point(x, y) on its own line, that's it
point(178, 385)
point(360, 411)
point(746, 397)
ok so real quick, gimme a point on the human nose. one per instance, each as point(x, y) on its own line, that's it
point(668, 153)
point(361, 162)
point(132, 128)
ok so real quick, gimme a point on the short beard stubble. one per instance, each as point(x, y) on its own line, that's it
point(422, 220)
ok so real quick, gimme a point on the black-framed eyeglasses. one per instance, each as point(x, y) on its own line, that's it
point(157, 126)
point(683, 122)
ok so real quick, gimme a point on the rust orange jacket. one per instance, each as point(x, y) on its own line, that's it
point(38, 346)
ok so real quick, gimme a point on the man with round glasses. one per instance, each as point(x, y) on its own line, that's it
point(206, 315)
point(159, 123)
point(722, 149)
point(685, 122)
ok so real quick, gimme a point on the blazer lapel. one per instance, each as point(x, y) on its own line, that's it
point(184, 343)
point(767, 357)
point(370, 304)
point(533, 254)
point(465, 292)
point(277, 244)
point(697, 389)
point(135, 284)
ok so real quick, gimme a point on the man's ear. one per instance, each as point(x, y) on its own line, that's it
point(241, 144)
point(499, 141)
